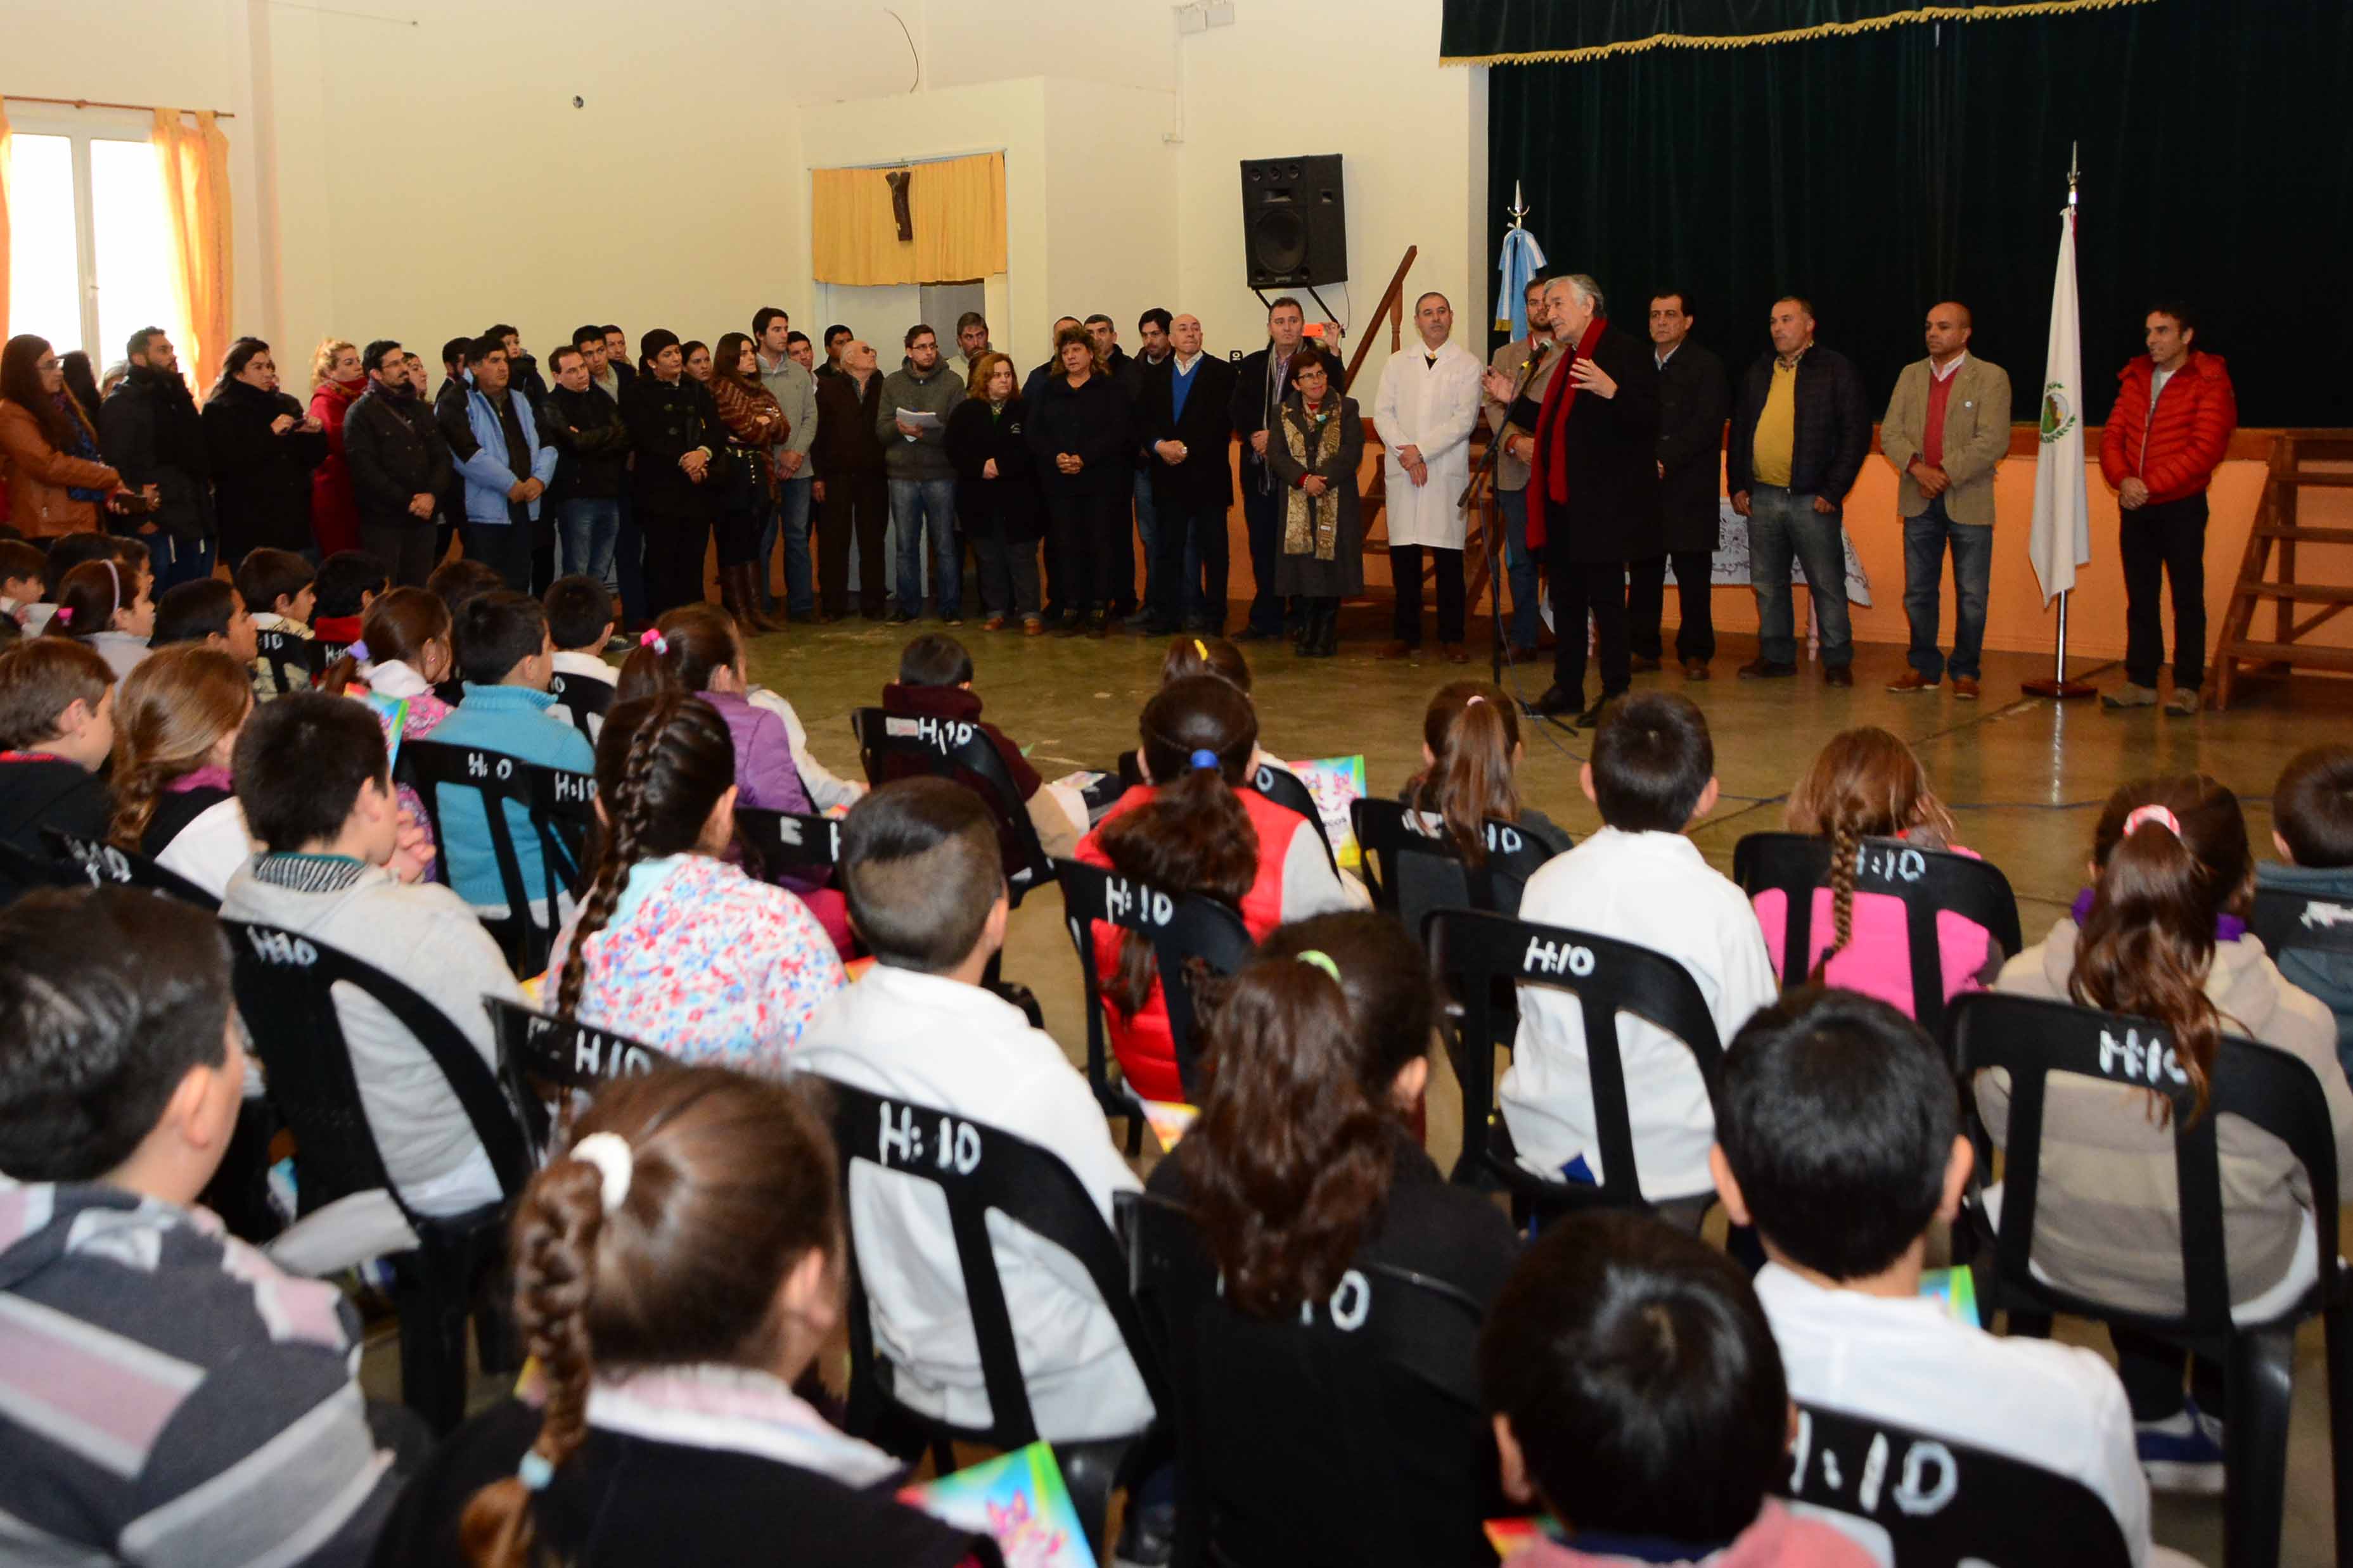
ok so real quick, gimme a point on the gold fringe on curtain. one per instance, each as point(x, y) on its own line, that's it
point(1824, 30)
point(957, 205)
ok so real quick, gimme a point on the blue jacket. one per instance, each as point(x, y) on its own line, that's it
point(514, 721)
point(486, 474)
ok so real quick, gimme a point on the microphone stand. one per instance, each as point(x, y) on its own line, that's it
point(1493, 532)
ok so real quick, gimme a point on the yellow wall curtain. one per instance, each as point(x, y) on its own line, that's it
point(193, 162)
point(958, 206)
point(4, 221)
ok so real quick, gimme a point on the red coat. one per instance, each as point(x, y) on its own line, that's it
point(335, 511)
point(2174, 453)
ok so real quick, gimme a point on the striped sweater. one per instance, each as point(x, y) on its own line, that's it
point(168, 1396)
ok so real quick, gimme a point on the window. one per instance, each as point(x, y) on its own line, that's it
point(91, 245)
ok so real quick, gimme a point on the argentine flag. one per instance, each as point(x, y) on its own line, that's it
point(1521, 259)
point(2061, 539)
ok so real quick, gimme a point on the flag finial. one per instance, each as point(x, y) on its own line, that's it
point(2072, 170)
point(1519, 208)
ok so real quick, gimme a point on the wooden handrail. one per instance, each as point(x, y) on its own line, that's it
point(1393, 306)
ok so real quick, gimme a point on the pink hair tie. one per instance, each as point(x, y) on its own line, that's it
point(654, 640)
point(64, 615)
point(2152, 813)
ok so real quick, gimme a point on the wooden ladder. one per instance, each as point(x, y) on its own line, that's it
point(2277, 525)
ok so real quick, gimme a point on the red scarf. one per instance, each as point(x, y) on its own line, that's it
point(1547, 456)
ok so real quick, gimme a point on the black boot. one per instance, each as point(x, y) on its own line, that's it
point(1331, 639)
point(1302, 633)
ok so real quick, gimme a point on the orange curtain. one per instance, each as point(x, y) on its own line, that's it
point(193, 162)
point(958, 209)
point(4, 221)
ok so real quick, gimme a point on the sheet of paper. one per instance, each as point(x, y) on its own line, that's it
point(921, 419)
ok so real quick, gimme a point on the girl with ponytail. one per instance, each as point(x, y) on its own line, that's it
point(1470, 750)
point(2161, 935)
point(1866, 783)
point(1300, 1173)
point(176, 720)
point(673, 945)
point(104, 605)
point(406, 649)
point(1190, 828)
point(676, 1273)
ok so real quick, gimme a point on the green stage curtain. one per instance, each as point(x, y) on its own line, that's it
point(1879, 172)
point(1523, 32)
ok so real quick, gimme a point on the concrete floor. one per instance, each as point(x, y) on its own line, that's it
point(2026, 778)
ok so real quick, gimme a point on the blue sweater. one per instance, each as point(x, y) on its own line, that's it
point(515, 721)
point(488, 477)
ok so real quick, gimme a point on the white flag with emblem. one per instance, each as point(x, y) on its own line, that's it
point(2062, 537)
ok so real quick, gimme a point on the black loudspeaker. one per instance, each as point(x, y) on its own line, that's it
point(1294, 221)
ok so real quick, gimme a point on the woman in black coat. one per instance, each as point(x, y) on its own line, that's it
point(1078, 438)
point(996, 491)
point(263, 445)
point(680, 450)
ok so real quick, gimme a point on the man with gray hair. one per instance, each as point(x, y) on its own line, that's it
point(1590, 441)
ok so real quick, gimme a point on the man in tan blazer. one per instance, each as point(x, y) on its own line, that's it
point(1946, 427)
point(1512, 475)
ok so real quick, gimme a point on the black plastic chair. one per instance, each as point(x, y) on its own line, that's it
point(1383, 1326)
point(1283, 787)
point(1472, 953)
point(961, 750)
point(295, 661)
point(102, 864)
point(2032, 1039)
point(790, 840)
point(1412, 868)
point(584, 697)
point(2286, 921)
point(980, 1169)
point(22, 871)
point(1943, 1503)
point(538, 1051)
point(1184, 929)
point(285, 985)
point(1927, 880)
point(561, 811)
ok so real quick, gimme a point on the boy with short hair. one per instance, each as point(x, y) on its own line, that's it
point(1840, 1141)
point(455, 581)
point(1639, 879)
point(926, 894)
point(168, 1394)
point(507, 659)
point(1638, 1398)
point(580, 622)
point(312, 776)
point(2312, 828)
point(348, 581)
point(20, 577)
point(279, 590)
point(935, 683)
point(206, 611)
point(57, 726)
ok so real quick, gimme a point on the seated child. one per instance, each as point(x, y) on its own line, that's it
point(1197, 830)
point(348, 581)
point(208, 612)
point(935, 683)
point(1301, 1169)
point(926, 893)
point(176, 718)
point(63, 556)
point(672, 945)
point(1470, 750)
point(2312, 828)
point(1637, 879)
point(1638, 1399)
point(404, 652)
point(454, 582)
point(337, 865)
point(103, 605)
point(697, 650)
point(20, 577)
point(171, 1395)
point(57, 728)
point(2161, 935)
point(670, 1333)
point(1866, 783)
point(580, 622)
point(505, 655)
point(1840, 1141)
point(1206, 655)
point(279, 590)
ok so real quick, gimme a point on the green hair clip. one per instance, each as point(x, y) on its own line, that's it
point(1321, 961)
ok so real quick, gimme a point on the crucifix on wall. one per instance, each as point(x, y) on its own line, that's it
point(899, 211)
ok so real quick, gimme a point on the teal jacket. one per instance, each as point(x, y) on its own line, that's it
point(514, 721)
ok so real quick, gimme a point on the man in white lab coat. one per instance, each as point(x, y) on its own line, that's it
point(1428, 401)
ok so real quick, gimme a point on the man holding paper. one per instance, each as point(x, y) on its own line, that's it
point(913, 424)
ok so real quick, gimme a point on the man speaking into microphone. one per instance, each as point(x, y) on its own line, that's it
point(1588, 433)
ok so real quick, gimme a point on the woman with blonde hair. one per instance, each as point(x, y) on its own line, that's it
point(336, 383)
point(997, 492)
point(177, 720)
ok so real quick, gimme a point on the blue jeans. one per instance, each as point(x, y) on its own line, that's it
point(788, 519)
point(922, 509)
point(588, 527)
point(1782, 524)
point(1147, 534)
point(175, 561)
point(1925, 537)
point(1521, 568)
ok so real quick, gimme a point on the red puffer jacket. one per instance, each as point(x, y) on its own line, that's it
point(2173, 453)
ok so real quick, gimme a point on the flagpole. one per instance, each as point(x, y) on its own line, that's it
point(2058, 685)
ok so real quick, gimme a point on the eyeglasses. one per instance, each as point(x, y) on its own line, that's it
point(50, 363)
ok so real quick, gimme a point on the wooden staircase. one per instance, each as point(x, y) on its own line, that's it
point(2278, 528)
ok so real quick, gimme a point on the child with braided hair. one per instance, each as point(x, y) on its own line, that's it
point(673, 945)
point(676, 1272)
point(1866, 783)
